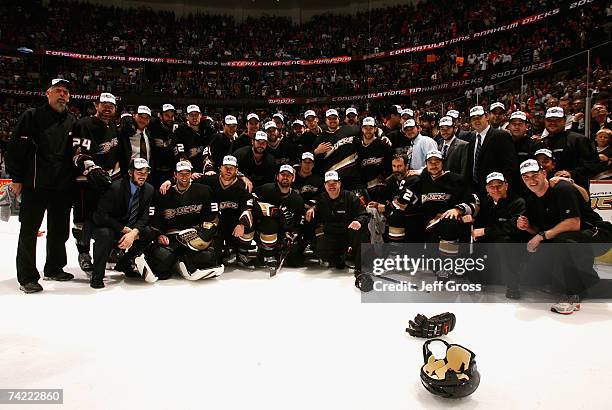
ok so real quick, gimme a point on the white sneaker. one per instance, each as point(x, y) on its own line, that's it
point(144, 269)
point(567, 305)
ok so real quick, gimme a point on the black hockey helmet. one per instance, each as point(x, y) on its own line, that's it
point(454, 376)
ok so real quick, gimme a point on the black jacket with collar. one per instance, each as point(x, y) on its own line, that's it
point(39, 153)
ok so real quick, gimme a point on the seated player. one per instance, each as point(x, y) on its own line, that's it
point(442, 199)
point(278, 215)
point(235, 229)
point(186, 219)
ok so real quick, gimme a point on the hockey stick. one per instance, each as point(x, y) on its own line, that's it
point(289, 244)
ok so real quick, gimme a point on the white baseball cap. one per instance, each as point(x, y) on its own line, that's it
point(252, 115)
point(260, 135)
point(555, 112)
point(140, 163)
point(230, 160)
point(434, 153)
point(409, 123)
point(143, 109)
point(308, 155)
point(544, 151)
point(497, 105)
point(531, 165)
point(287, 168)
point(193, 108)
point(453, 114)
point(368, 121)
point(495, 176)
point(518, 115)
point(298, 122)
point(269, 124)
point(279, 115)
point(331, 112)
point(230, 120)
point(60, 81)
point(331, 176)
point(183, 166)
point(351, 110)
point(125, 114)
point(446, 121)
point(408, 112)
point(168, 107)
point(309, 113)
point(107, 97)
point(398, 108)
point(477, 110)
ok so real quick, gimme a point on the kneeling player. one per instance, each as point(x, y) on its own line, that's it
point(443, 199)
point(278, 215)
point(186, 218)
point(235, 230)
point(343, 223)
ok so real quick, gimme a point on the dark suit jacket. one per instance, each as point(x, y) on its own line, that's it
point(457, 157)
point(112, 211)
point(497, 154)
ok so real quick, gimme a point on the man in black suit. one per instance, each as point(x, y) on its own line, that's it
point(454, 151)
point(491, 150)
point(121, 220)
point(134, 139)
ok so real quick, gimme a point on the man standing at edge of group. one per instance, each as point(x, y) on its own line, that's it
point(40, 162)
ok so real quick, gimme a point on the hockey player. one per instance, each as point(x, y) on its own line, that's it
point(350, 116)
point(97, 159)
point(134, 141)
point(342, 224)
point(162, 155)
point(221, 144)
point(413, 145)
point(278, 215)
point(444, 199)
point(190, 139)
point(279, 120)
point(255, 163)
point(246, 138)
point(336, 151)
point(235, 229)
point(283, 151)
point(311, 133)
point(374, 160)
point(497, 116)
point(186, 218)
point(309, 185)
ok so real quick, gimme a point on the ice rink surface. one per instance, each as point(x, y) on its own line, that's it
point(301, 340)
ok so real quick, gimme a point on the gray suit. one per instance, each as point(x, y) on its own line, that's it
point(457, 157)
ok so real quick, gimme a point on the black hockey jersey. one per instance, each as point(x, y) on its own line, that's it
point(220, 146)
point(176, 210)
point(271, 201)
point(189, 144)
point(308, 187)
point(342, 158)
point(161, 145)
point(259, 172)
point(374, 161)
point(234, 201)
point(94, 140)
point(285, 153)
point(436, 196)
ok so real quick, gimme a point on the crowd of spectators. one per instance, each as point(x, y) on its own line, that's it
point(89, 28)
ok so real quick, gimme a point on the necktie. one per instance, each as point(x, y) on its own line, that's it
point(444, 152)
point(476, 156)
point(133, 215)
point(143, 147)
